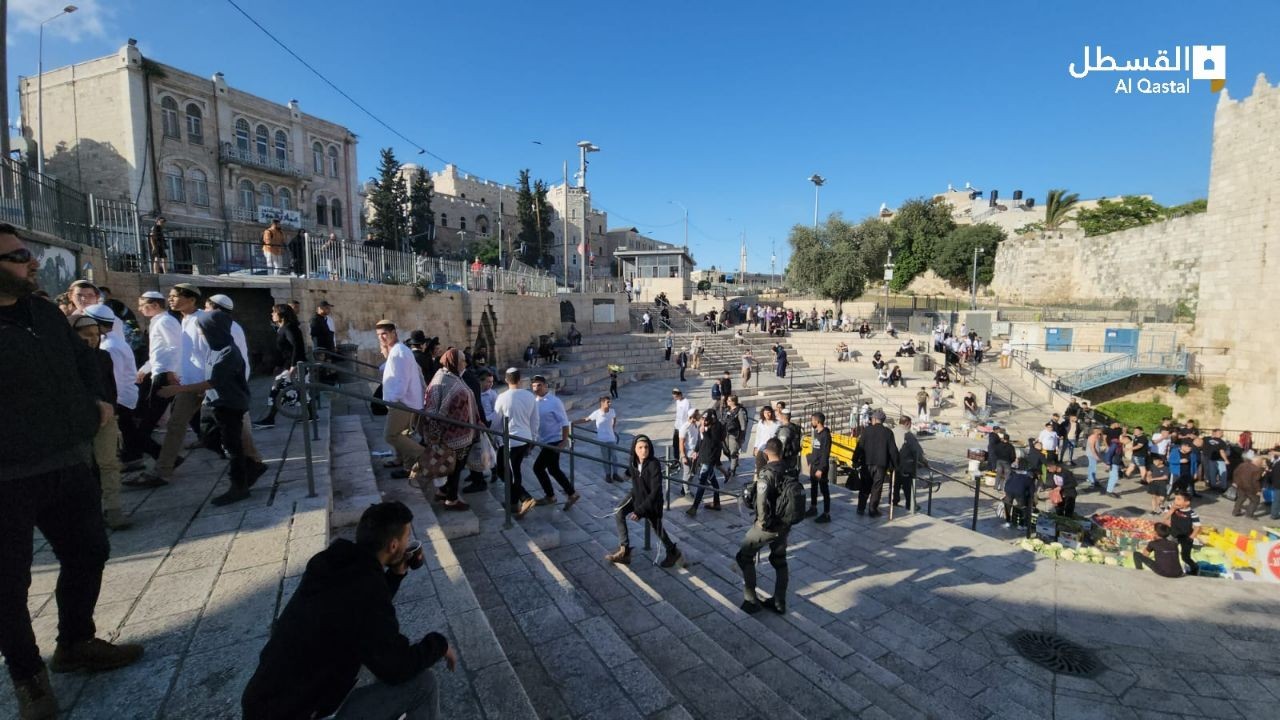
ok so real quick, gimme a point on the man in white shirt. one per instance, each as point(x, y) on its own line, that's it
point(553, 429)
point(183, 298)
point(682, 415)
point(687, 438)
point(1049, 441)
point(606, 421)
point(401, 383)
point(164, 355)
point(519, 408)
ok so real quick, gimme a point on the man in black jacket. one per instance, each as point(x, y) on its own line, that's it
point(324, 336)
point(342, 617)
point(910, 460)
point(768, 529)
point(820, 468)
point(50, 396)
point(880, 454)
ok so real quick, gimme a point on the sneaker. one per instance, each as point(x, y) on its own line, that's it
point(547, 500)
point(823, 518)
point(525, 506)
point(36, 700)
point(621, 556)
point(572, 499)
point(776, 605)
point(254, 471)
point(234, 494)
point(116, 519)
point(750, 608)
point(95, 655)
point(1115, 495)
point(811, 512)
point(145, 480)
point(672, 558)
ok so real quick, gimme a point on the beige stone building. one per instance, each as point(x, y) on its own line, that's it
point(194, 149)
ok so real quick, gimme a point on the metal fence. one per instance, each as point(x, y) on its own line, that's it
point(42, 203)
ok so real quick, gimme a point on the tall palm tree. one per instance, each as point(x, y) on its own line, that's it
point(1057, 206)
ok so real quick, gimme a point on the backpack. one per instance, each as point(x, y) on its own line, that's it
point(715, 391)
point(789, 507)
point(789, 436)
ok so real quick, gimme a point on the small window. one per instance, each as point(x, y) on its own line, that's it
point(322, 210)
point(199, 188)
point(285, 199)
point(282, 147)
point(242, 135)
point(174, 191)
point(317, 158)
point(261, 142)
point(333, 161)
point(463, 196)
point(335, 213)
point(462, 223)
point(266, 196)
point(444, 220)
point(248, 199)
point(169, 117)
point(195, 124)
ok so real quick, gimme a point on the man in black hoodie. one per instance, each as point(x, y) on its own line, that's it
point(52, 408)
point(342, 617)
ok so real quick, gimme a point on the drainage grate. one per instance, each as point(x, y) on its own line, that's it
point(1055, 653)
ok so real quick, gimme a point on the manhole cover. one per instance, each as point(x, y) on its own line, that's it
point(1055, 653)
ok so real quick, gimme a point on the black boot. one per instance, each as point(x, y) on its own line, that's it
point(238, 491)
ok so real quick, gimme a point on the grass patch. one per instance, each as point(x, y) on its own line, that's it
point(1148, 414)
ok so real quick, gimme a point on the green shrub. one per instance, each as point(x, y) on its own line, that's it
point(1221, 397)
point(1148, 415)
point(1181, 388)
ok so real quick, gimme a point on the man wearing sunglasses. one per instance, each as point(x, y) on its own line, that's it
point(49, 382)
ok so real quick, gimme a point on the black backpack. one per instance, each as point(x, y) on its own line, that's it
point(789, 436)
point(789, 508)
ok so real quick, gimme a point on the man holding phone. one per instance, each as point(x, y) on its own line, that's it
point(340, 618)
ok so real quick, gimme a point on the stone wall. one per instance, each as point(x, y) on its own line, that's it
point(1158, 262)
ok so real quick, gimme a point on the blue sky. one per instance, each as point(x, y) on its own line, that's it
point(726, 107)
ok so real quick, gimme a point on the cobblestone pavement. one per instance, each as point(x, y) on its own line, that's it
point(907, 618)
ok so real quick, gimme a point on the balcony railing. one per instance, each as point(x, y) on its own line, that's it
point(269, 162)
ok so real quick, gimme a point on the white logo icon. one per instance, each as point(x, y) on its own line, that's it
point(1209, 62)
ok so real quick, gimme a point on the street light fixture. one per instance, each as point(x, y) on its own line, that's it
point(584, 147)
point(973, 288)
point(888, 276)
point(40, 86)
point(818, 181)
point(686, 221)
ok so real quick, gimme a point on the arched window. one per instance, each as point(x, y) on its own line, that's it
point(242, 135)
point(444, 220)
point(322, 211)
point(286, 199)
point(174, 190)
point(169, 117)
point(462, 222)
point(317, 158)
point(282, 147)
point(335, 212)
point(333, 161)
point(199, 188)
point(248, 200)
point(266, 196)
point(482, 225)
point(262, 142)
point(195, 124)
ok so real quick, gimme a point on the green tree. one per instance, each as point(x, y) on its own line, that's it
point(544, 215)
point(953, 258)
point(388, 202)
point(829, 261)
point(1058, 207)
point(806, 268)
point(421, 220)
point(915, 230)
point(487, 251)
point(1189, 208)
point(533, 215)
point(1130, 212)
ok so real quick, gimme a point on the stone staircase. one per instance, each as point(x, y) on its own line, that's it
point(582, 375)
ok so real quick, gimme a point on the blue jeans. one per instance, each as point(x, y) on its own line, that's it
point(1113, 477)
point(1093, 471)
point(708, 472)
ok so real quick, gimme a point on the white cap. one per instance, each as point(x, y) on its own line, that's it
point(222, 301)
point(153, 295)
point(101, 313)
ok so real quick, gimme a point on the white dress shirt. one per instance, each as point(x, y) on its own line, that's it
point(164, 338)
point(402, 378)
point(520, 407)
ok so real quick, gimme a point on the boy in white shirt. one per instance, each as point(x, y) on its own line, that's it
point(606, 421)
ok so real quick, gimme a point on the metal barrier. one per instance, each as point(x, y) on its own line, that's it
point(43, 203)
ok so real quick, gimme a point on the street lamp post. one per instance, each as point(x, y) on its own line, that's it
point(973, 287)
point(40, 88)
point(686, 222)
point(818, 181)
point(888, 276)
point(584, 147)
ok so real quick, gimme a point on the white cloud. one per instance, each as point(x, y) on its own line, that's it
point(88, 21)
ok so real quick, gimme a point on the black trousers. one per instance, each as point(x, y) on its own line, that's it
point(518, 454)
point(869, 493)
point(756, 539)
point(66, 505)
point(150, 417)
point(682, 373)
point(820, 485)
point(903, 486)
point(1185, 544)
point(132, 440)
point(230, 424)
point(667, 355)
point(546, 467)
point(1068, 506)
point(624, 538)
